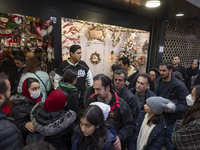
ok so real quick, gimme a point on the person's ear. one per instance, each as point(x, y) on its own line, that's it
point(1, 99)
point(71, 53)
point(108, 88)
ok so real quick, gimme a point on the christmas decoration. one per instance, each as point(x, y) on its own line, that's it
point(145, 47)
point(95, 58)
point(96, 33)
point(130, 49)
point(115, 39)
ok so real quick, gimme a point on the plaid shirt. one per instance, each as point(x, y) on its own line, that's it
point(187, 137)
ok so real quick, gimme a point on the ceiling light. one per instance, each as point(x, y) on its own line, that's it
point(152, 3)
point(179, 14)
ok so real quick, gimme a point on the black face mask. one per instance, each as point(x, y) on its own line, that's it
point(6, 101)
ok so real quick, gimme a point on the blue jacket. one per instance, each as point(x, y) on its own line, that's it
point(111, 132)
point(156, 138)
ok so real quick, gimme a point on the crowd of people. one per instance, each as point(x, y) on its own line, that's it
point(156, 110)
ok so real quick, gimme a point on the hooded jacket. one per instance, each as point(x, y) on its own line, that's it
point(55, 126)
point(22, 107)
point(71, 93)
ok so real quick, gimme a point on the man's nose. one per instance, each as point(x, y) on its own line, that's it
point(96, 92)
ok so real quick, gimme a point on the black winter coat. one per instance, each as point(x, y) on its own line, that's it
point(176, 92)
point(120, 115)
point(10, 136)
point(130, 99)
point(132, 79)
point(156, 138)
point(22, 107)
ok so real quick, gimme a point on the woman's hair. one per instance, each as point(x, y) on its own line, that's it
point(32, 65)
point(155, 119)
point(29, 81)
point(94, 115)
point(195, 60)
point(178, 75)
point(194, 111)
point(69, 76)
point(20, 58)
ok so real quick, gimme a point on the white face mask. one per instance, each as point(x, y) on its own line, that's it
point(35, 95)
point(189, 100)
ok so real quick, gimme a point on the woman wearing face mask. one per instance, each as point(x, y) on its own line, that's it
point(92, 132)
point(187, 131)
point(33, 70)
point(23, 104)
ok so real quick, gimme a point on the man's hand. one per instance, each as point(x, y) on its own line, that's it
point(117, 144)
point(29, 126)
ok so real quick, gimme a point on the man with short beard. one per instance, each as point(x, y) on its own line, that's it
point(173, 89)
point(120, 116)
point(10, 136)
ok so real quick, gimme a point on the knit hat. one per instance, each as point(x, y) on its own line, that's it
point(55, 101)
point(157, 104)
point(104, 107)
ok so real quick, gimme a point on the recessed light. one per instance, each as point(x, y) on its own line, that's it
point(179, 14)
point(153, 3)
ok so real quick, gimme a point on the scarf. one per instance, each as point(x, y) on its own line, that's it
point(27, 94)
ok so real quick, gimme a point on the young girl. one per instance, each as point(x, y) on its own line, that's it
point(23, 104)
point(151, 129)
point(187, 131)
point(92, 132)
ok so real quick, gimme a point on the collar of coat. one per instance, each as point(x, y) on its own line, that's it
point(114, 103)
point(19, 99)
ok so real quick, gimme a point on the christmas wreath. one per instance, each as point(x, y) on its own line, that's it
point(95, 58)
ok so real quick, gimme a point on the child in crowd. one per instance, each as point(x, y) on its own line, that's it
point(92, 133)
point(187, 131)
point(150, 128)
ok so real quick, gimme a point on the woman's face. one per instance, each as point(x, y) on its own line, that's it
point(34, 88)
point(87, 128)
point(194, 65)
point(147, 109)
point(18, 63)
point(152, 75)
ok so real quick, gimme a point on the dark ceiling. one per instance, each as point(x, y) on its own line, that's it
point(167, 9)
point(132, 7)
